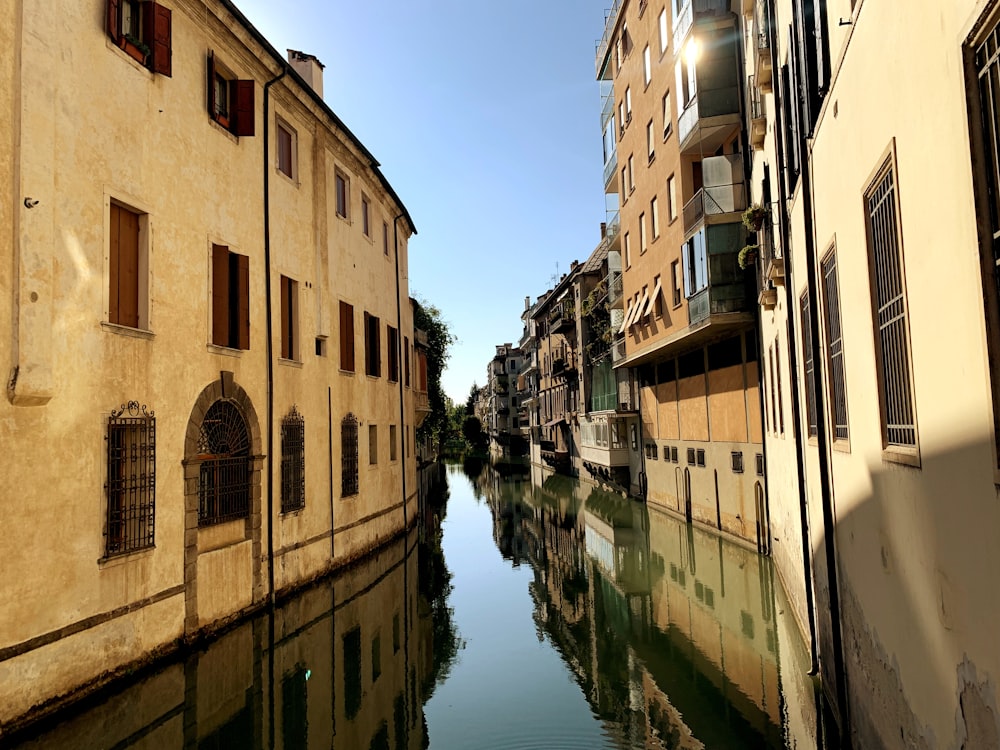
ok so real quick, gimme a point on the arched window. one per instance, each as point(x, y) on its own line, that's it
point(349, 456)
point(293, 462)
point(224, 483)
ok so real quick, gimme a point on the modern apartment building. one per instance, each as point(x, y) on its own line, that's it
point(670, 74)
point(875, 150)
point(210, 391)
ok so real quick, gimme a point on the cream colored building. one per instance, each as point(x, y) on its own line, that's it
point(875, 135)
point(210, 341)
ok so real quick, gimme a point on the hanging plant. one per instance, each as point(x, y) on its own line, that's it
point(754, 216)
point(747, 256)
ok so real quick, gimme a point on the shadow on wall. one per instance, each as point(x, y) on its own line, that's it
point(918, 564)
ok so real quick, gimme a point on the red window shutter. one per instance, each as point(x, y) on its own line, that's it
point(244, 115)
point(220, 295)
point(114, 241)
point(157, 33)
point(243, 266)
point(114, 13)
point(286, 318)
point(211, 84)
point(128, 269)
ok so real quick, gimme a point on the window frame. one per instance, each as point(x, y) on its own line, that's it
point(289, 319)
point(149, 40)
point(834, 349)
point(240, 115)
point(229, 299)
point(292, 171)
point(293, 462)
point(120, 269)
point(373, 346)
point(349, 458)
point(130, 486)
point(372, 445)
point(342, 194)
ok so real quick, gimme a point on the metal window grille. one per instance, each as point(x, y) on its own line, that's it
point(759, 461)
point(673, 455)
point(349, 456)
point(224, 484)
point(835, 347)
point(701, 456)
point(131, 484)
point(737, 461)
point(293, 462)
point(809, 364)
point(690, 456)
point(892, 352)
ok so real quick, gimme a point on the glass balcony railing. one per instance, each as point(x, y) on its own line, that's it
point(609, 30)
point(705, 105)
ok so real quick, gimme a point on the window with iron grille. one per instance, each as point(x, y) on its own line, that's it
point(701, 456)
point(690, 456)
point(759, 461)
point(293, 462)
point(673, 455)
point(808, 362)
point(131, 485)
point(835, 346)
point(224, 483)
point(737, 460)
point(349, 456)
point(892, 350)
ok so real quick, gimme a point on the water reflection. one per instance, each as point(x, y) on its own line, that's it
point(673, 635)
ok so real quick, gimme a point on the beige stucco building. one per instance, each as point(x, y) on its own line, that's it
point(875, 148)
point(210, 373)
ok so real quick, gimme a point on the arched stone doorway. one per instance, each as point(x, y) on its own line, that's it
point(222, 495)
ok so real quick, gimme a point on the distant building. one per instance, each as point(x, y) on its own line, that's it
point(500, 414)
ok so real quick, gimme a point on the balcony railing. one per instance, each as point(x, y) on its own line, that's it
point(611, 171)
point(614, 288)
point(563, 316)
point(612, 226)
point(762, 48)
point(712, 201)
point(707, 104)
point(609, 30)
point(758, 113)
point(693, 10)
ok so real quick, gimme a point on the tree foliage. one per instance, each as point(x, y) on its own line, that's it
point(428, 318)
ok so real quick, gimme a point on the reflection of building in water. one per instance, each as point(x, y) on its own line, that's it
point(342, 669)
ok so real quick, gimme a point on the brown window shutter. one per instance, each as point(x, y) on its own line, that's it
point(243, 263)
point(157, 32)
point(243, 116)
point(346, 337)
point(128, 269)
point(220, 295)
point(368, 344)
point(286, 318)
point(114, 241)
point(211, 84)
point(114, 7)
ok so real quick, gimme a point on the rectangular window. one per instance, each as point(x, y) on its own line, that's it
point(293, 462)
point(808, 363)
point(385, 238)
point(664, 31)
point(631, 174)
point(642, 234)
point(392, 342)
point(628, 251)
point(230, 101)
point(668, 116)
point(406, 361)
point(654, 217)
point(342, 186)
point(366, 216)
point(892, 342)
point(287, 155)
point(346, 337)
point(774, 408)
point(372, 444)
point(675, 279)
point(781, 402)
point(373, 346)
point(650, 143)
point(621, 118)
point(131, 483)
point(230, 298)
point(671, 198)
point(143, 30)
point(835, 346)
point(128, 268)
point(289, 318)
point(695, 264)
point(393, 451)
point(628, 105)
point(647, 68)
point(349, 456)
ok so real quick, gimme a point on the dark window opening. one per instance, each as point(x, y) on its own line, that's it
point(131, 484)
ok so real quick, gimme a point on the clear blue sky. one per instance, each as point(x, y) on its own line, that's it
point(485, 117)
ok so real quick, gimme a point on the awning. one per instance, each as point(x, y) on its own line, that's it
point(637, 312)
point(652, 299)
point(554, 422)
point(628, 317)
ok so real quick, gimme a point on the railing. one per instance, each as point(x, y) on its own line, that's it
point(756, 99)
point(711, 201)
point(708, 103)
point(682, 24)
point(612, 226)
point(608, 109)
point(761, 30)
point(698, 306)
point(611, 168)
point(609, 29)
point(618, 349)
point(614, 287)
point(563, 315)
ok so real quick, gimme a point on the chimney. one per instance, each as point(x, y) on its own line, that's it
point(527, 303)
point(309, 68)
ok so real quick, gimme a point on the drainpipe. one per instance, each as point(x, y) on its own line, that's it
point(399, 360)
point(793, 372)
point(268, 344)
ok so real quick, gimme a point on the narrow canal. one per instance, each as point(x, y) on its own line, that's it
point(529, 611)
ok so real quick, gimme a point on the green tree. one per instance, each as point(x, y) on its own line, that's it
point(428, 319)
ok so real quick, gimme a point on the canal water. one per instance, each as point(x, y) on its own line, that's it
point(527, 611)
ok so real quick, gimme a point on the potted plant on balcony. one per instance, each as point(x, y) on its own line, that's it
point(747, 256)
point(754, 216)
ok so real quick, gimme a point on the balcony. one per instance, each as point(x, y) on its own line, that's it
point(708, 119)
point(758, 114)
point(604, 42)
point(722, 196)
point(693, 11)
point(562, 317)
point(422, 406)
point(722, 284)
point(762, 50)
point(611, 173)
point(615, 295)
point(564, 367)
point(710, 96)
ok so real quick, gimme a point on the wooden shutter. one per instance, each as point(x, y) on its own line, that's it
point(157, 20)
point(114, 241)
point(220, 295)
point(243, 271)
point(211, 84)
point(128, 269)
point(243, 107)
point(114, 13)
point(286, 318)
point(368, 344)
point(346, 337)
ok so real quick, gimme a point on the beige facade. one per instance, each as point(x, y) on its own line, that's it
point(210, 395)
point(674, 165)
point(882, 228)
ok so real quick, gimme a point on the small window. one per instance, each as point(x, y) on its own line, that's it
point(393, 447)
point(673, 454)
point(406, 361)
point(808, 363)
point(759, 464)
point(349, 456)
point(392, 343)
point(650, 141)
point(230, 298)
point(654, 217)
point(385, 238)
point(143, 30)
point(628, 105)
point(289, 318)
point(643, 244)
point(342, 186)
point(668, 116)
point(671, 198)
point(320, 346)
point(737, 462)
point(128, 268)
point(230, 101)
point(131, 483)
point(835, 346)
point(372, 444)
point(647, 68)
point(287, 149)
point(366, 216)
point(701, 456)
point(293, 462)
point(628, 251)
point(690, 456)
point(675, 279)
point(376, 658)
point(664, 32)
point(346, 337)
point(373, 346)
point(631, 174)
